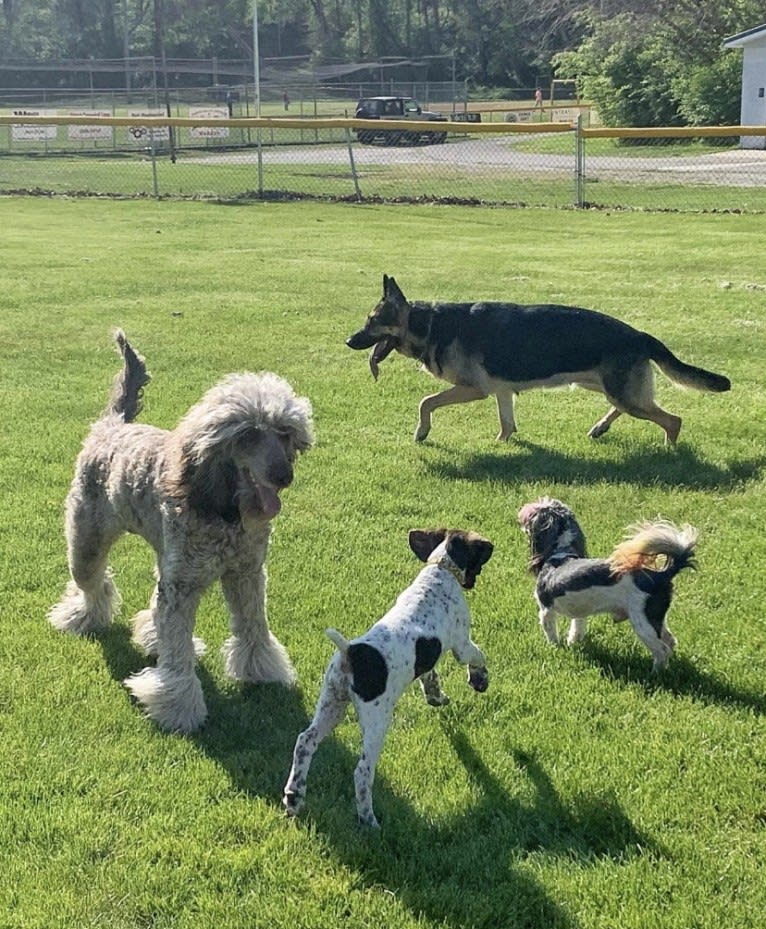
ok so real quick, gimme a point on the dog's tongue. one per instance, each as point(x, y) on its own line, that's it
point(381, 351)
point(267, 500)
point(264, 504)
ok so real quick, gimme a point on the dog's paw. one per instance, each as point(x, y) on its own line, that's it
point(660, 663)
point(292, 804)
point(437, 700)
point(598, 430)
point(478, 678)
point(368, 819)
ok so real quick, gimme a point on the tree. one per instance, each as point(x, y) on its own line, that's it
point(664, 65)
point(620, 67)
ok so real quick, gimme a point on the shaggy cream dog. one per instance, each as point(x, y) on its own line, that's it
point(203, 496)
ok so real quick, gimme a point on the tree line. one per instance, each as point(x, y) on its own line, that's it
point(654, 62)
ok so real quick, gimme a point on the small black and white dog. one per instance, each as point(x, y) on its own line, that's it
point(373, 671)
point(635, 582)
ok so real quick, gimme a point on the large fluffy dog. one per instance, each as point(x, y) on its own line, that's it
point(203, 495)
point(504, 348)
point(634, 583)
point(430, 618)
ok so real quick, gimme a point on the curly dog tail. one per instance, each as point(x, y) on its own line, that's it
point(128, 385)
point(659, 547)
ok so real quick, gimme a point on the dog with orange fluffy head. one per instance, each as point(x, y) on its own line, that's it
point(635, 582)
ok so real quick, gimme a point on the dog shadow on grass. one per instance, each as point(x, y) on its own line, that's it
point(523, 461)
point(471, 868)
point(475, 867)
point(250, 729)
point(680, 677)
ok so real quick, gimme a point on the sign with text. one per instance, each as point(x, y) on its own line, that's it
point(32, 133)
point(564, 114)
point(211, 113)
point(139, 133)
point(89, 133)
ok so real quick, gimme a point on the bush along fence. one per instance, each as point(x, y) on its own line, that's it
point(556, 164)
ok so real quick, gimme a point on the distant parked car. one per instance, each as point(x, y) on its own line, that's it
point(383, 108)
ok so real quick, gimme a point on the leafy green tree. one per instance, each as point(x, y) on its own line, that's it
point(621, 68)
point(710, 94)
point(643, 62)
point(664, 65)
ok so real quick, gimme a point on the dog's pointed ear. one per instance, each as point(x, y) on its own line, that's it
point(392, 291)
point(424, 541)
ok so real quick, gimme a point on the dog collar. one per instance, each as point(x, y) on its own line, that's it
point(562, 556)
point(450, 566)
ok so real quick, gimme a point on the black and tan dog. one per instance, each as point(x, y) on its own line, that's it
point(504, 348)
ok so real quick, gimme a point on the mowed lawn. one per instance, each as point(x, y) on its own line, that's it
point(580, 791)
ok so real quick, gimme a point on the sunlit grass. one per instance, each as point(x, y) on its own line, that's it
point(579, 791)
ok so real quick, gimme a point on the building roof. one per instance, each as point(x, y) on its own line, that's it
point(748, 37)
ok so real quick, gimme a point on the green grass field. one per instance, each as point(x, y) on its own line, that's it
point(199, 177)
point(579, 792)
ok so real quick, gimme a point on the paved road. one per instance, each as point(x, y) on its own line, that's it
point(739, 168)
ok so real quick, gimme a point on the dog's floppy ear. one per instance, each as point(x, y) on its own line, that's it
point(469, 551)
point(424, 541)
point(392, 291)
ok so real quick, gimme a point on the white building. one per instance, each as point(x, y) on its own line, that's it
point(753, 112)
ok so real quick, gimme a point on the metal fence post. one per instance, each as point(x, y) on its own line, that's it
point(153, 153)
point(260, 161)
point(579, 164)
point(354, 175)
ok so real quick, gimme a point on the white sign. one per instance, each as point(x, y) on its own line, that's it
point(209, 112)
point(519, 116)
point(567, 114)
point(22, 133)
point(89, 133)
point(148, 133)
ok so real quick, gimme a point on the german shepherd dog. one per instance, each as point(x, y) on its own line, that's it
point(504, 348)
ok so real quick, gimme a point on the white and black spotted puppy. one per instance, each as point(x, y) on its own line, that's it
point(634, 583)
point(430, 618)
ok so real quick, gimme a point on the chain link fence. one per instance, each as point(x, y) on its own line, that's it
point(530, 161)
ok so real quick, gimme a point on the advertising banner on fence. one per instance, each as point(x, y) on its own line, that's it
point(22, 133)
point(89, 133)
point(209, 112)
point(564, 114)
point(144, 134)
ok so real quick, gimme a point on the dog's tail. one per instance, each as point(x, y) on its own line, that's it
point(683, 374)
point(658, 547)
point(128, 386)
point(340, 643)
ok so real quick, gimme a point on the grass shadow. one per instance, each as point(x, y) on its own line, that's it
point(464, 870)
point(468, 869)
point(680, 678)
point(524, 461)
point(250, 730)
